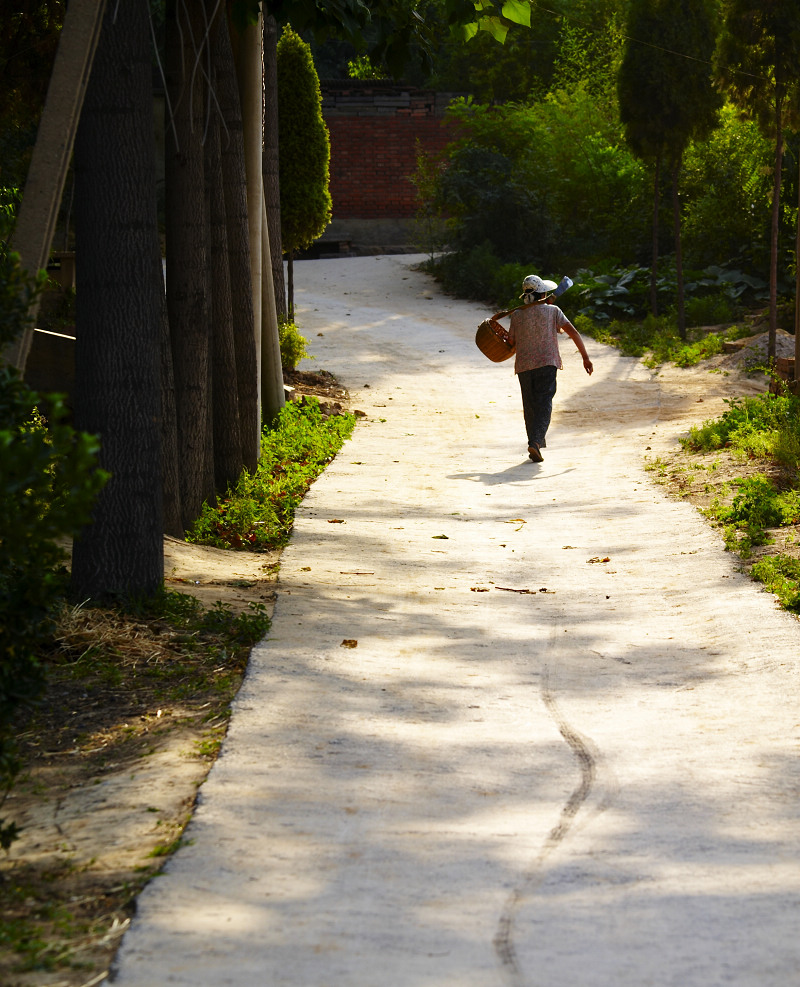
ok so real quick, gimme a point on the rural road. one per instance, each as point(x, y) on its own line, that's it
point(514, 724)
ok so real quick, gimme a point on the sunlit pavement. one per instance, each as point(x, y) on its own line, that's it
point(514, 724)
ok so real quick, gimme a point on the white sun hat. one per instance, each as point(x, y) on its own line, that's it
point(536, 284)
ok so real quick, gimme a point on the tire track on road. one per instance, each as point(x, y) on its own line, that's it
point(584, 753)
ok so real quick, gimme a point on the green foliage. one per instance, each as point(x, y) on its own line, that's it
point(655, 338)
point(764, 426)
point(258, 513)
point(758, 504)
point(361, 67)
point(293, 344)
point(727, 192)
point(780, 574)
point(712, 294)
point(48, 482)
point(304, 146)
point(667, 101)
point(757, 58)
point(551, 179)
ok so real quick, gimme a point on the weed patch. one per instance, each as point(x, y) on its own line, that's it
point(258, 512)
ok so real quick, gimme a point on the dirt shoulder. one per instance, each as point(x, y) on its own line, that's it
point(112, 762)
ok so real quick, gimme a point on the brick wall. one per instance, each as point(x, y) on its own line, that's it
point(374, 132)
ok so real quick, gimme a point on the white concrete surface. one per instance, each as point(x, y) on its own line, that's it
point(592, 783)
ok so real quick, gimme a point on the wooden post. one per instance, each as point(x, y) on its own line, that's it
point(36, 221)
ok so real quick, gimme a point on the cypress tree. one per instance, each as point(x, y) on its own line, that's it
point(305, 150)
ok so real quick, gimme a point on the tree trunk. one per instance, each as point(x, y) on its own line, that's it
point(170, 468)
point(676, 213)
point(290, 279)
point(654, 267)
point(271, 169)
point(271, 369)
point(187, 277)
point(225, 399)
point(117, 379)
point(797, 279)
point(776, 220)
point(247, 58)
point(234, 186)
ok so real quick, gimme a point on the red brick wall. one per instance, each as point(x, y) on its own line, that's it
point(373, 157)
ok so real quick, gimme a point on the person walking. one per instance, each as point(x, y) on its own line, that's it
point(534, 331)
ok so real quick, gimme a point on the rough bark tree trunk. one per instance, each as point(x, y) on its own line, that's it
point(271, 369)
point(776, 222)
point(676, 214)
point(654, 267)
point(224, 394)
point(117, 379)
point(271, 169)
point(247, 59)
point(234, 186)
point(170, 469)
point(187, 271)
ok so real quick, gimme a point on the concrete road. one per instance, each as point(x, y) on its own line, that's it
point(514, 724)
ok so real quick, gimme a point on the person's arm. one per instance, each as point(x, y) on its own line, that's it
point(575, 336)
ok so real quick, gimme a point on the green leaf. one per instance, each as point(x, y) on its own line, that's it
point(495, 27)
point(518, 11)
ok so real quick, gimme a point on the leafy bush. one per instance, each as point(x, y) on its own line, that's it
point(764, 426)
point(48, 482)
point(293, 344)
point(711, 310)
point(780, 574)
point(258, 513)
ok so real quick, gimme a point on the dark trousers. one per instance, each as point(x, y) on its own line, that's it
point(538, 389)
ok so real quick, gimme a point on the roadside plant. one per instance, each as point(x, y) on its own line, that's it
point(293, 344)
point(257, 514)
point(48, 483)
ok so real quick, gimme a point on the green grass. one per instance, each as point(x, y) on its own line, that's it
point(257, 514)
point(656, 341)
point(764, 427)
point(780, 574)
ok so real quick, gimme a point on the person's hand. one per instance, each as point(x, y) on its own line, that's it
point(587, 365)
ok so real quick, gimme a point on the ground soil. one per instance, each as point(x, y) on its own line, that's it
point(112, 761)
point(111, 769)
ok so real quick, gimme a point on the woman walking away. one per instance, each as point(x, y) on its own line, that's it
point(534, 331)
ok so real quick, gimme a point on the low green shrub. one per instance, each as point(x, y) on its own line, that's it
point(48, 482)
point(258, 512)
point(766, 426)
point(780, 574)
point(292, 343)
point(709, 310)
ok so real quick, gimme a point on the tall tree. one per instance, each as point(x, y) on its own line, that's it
point(117, 356)
point(271, 167)
point(305, 150)
point(188, 296)
point(234, 186)
point(757, 62)
point(667, 98)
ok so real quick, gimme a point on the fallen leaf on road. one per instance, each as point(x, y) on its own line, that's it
point(597, 558)
point(442, 536)
point(479, 589)
point(516, 520)
point(336, 520)
point(569, 546)
point(349, 642)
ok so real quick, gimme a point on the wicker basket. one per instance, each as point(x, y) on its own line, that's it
point(492, 340)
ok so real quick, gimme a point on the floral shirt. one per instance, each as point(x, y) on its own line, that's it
point(534, 331)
